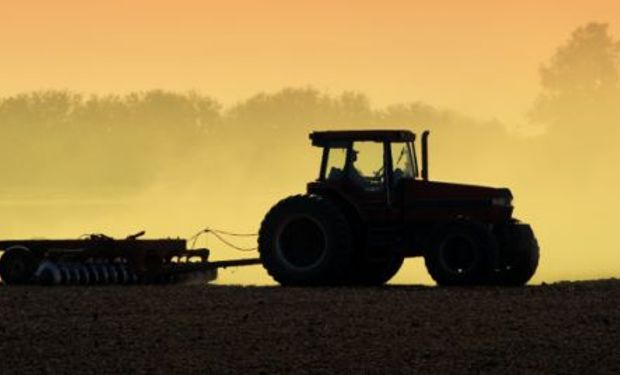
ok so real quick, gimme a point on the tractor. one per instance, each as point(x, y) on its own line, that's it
point(373, 205)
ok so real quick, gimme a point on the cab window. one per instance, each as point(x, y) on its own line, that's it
point(366, 165)
point(336, 162)
point(403, 164)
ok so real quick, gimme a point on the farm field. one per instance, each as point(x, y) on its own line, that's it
point(563, 328)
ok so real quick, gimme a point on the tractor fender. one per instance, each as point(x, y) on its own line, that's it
point(352, 212)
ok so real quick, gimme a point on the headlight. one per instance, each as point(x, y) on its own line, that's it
point(501, 201)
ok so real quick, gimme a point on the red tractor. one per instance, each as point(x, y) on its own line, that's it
point(373, 205)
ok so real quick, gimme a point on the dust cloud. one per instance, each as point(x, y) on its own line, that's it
point(173, 163)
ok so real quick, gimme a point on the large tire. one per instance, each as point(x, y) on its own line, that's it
point(305, 240)
point(17, 266)
point(461, 253)
point(366, 272)
point(521, 254)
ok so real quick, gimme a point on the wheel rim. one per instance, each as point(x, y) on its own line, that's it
point(301, 243)
point(458, 254)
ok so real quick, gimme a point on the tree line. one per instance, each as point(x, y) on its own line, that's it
point(61, 138)
point(67, 139)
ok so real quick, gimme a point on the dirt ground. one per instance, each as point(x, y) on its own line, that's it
point(564, 328)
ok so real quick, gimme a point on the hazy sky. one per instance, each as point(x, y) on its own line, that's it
point(480, 57)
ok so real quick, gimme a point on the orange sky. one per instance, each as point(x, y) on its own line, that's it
point(480, 57)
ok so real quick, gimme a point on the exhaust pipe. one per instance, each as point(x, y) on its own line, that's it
point(425, 135)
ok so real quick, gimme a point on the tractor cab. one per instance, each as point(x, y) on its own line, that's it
point(367, 167)
point(369, 158)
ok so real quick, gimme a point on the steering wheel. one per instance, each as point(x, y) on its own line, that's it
point(378, 174)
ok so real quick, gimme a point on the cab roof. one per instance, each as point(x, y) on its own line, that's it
point(326, 138)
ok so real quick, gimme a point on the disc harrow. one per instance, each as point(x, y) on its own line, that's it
point(98, 259)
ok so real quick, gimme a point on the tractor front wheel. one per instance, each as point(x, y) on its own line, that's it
point(462, 253)
point(521, 254)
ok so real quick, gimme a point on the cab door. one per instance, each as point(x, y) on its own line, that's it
point(367, 179)
point(402, 173)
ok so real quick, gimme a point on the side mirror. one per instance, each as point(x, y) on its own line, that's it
point(425, 135)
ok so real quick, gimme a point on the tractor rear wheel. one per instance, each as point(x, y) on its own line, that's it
point(461, 253)
point(17, 266)
point(521, 256)
point(305, 240)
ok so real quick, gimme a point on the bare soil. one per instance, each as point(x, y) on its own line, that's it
point(564, 328)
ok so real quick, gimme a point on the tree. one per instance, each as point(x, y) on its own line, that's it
point(581, 83)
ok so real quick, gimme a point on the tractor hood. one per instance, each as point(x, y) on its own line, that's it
point(449, 200)
point(434, 190)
